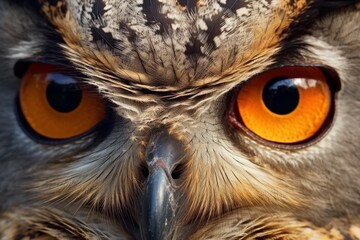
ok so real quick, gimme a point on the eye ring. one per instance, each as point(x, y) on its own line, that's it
point(327, 75)
point(55, 107)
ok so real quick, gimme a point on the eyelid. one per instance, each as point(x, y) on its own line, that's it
point(21, 67)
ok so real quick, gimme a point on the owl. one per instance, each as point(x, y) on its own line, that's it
point(179, 119)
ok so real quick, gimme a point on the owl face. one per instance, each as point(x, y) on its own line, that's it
point(181, 119)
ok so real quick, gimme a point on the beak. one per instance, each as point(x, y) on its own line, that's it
point(159, 201)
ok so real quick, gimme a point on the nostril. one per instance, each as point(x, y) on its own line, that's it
point(177, 171)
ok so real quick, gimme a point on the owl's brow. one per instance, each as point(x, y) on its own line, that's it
point(196, 42)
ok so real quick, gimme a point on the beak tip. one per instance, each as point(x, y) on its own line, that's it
point(159, 207)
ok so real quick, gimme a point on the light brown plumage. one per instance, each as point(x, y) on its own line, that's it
point(46, 223)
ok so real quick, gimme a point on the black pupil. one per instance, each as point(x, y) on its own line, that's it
point(281, 95)
point(63, 93)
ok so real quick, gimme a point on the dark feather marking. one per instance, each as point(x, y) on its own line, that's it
point(57, 4)
point(214, 28)
point(326, 6)
point(100, 36)
point(234, 5)
point(335, 3)
point(98, 9)
point(193, 48)
point(151, 10)
point(189, 4)
point(130, 33)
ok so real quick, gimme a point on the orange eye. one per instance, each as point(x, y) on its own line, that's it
point(285, 105)
point(55, 105)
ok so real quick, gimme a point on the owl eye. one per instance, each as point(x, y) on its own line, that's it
point(55, 105)
point(288, 105)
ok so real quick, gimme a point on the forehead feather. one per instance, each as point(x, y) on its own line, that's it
point(176, 42)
